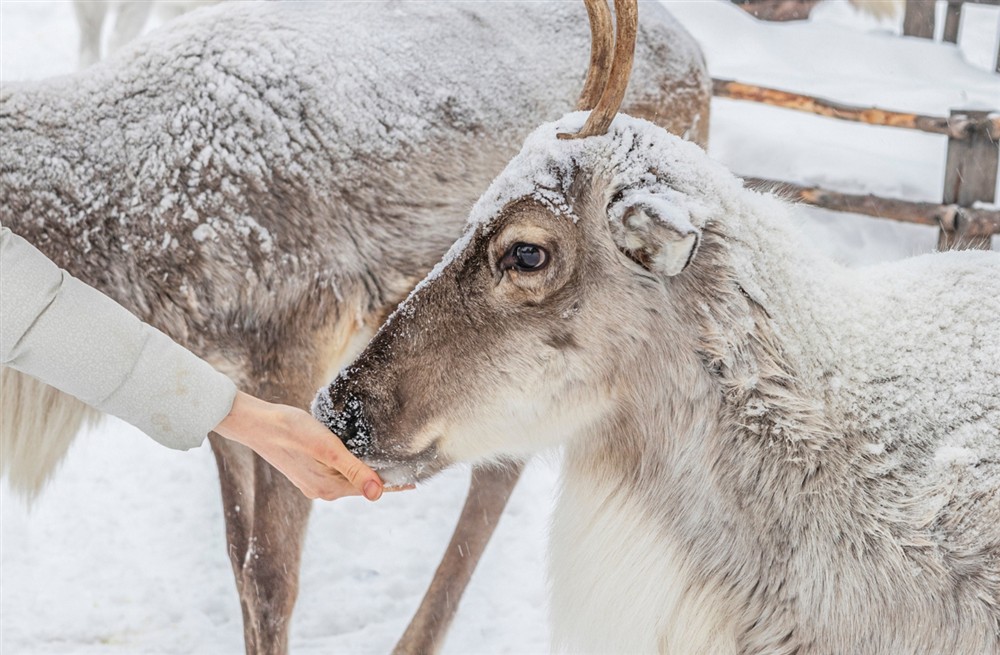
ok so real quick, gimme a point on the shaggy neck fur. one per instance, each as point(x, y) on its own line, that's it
point(778, 518)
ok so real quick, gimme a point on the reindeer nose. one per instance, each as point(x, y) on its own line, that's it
point(356, 430)
point(344, 414)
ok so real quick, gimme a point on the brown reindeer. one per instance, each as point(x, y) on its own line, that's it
point(264, 182)
point(764, 452)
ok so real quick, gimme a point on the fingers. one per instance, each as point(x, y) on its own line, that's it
point(362, 478)
point(302, 448)
point(341, 473)
point(334, 488)
point(327, 449)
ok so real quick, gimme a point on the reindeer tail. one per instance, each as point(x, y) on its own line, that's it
point(37, 425)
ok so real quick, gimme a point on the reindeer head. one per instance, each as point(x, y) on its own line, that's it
point(518, 338)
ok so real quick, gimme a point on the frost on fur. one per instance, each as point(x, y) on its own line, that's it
point(263, 181)
point(765, 451)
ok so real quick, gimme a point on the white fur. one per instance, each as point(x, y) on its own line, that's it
point(524, 423)
point(879, 8)
point(37, 425)
point(798, 457)
point(602, 607)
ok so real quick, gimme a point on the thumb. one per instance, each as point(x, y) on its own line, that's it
point(357, 473)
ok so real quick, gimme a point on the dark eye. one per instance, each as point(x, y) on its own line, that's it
point(524, 257)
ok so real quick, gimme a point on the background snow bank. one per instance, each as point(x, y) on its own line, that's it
point(125, 552)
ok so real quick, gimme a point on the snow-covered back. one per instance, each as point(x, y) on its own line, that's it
point(248, 123)
point(125, 552)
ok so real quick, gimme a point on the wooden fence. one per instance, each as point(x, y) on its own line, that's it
point(970, 168)
point(919, 19)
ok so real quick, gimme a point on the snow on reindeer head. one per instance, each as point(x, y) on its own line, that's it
point(497, 351)
point(655, 190)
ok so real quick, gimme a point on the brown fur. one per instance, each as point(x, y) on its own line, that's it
point(264, 214)
point(760, 445)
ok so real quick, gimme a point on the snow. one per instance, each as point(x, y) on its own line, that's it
point(951, 455)
point(545, 168)
point(125, 552)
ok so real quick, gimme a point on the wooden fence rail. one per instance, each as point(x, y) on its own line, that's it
point(970, 169)
point(957, 127)
point(971, 222)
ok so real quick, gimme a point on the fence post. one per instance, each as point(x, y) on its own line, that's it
point(952, 19)
point(970, 176)
point(918, 19)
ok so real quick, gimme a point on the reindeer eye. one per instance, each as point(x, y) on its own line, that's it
point(524, 257)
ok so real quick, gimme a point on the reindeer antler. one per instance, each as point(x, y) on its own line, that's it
point(615, 80)
point(601, 42)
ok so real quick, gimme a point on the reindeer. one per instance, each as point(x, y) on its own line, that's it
point(264, 183)
point(782, 10)
point(764, 451)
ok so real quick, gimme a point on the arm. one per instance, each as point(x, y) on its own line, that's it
point(74, 338)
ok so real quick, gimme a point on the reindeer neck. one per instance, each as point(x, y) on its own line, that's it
point(721, 437)
point(724, 513)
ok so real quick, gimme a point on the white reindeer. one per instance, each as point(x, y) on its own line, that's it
point(264, 182)
point(765, 452)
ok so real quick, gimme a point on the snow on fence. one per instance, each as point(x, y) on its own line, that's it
point(970, 168)
point(918, 20)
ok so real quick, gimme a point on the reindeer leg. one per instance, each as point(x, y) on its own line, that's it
point(266, 519)
point(236, 477)
point(270, 569)
point(132, 17)
point(90, 18)
point(488, 494)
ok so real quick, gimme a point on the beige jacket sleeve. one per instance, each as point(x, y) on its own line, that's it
point(74, 338)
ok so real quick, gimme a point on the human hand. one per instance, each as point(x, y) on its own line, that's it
point(301, 447)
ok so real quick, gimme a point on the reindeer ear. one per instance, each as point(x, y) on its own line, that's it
point(654, 232)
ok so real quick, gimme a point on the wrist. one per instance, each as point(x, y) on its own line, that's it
point(236, 423)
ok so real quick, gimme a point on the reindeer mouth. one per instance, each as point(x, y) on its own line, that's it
point(344, 413)
point(411, 470)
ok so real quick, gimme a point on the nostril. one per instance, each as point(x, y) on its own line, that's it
point(347, 420)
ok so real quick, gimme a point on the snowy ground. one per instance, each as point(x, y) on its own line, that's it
point(125, 552)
